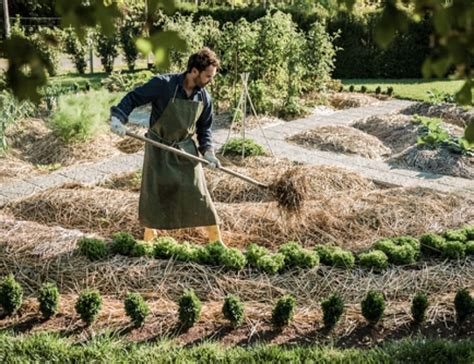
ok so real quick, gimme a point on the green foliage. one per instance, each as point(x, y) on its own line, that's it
point(363, 89)
point(390, 91)
point(454, 250)
point(122, 243)
point(185, 252)
point(283, 311)
point(378, 90)
point(233, 258)
point(469, 232)
point(11, 295)
point(46, 40)
point(419, 305)
point(351, 88)
point(48, 300)
point(94, 249)
point(455, 235)
point(397, 254)
point(164, 247)
point(233, 310)
point(238, 147)
point(254, 252)
point(75, 49)
point(88, 305)
point(211, 254)
point(335, 256)
point(136, 308)
point(432, 243)
point(333, 308)
point(297, 257)
point(131, 28)
point(375, 259)
point(107, 49)
point(271, 263)
point(189, 309)
point(470, 247)
point(437, 97)
point(463, 304)
point(125, 82)
point(142, 249)
point(292, 108)
point(325, 253)
point(373, 306)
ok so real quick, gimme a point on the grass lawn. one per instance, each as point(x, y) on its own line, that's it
point(412, 89)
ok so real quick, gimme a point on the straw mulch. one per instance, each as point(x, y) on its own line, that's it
point(450, 113)
point(353, 220)
point(342, 139)
point(12, 168)
point(440, 160)
point(346, 100)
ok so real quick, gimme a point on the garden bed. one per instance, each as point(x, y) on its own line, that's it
point(347, 100)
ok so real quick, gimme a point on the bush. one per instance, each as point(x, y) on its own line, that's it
point(94, 249)
point(455, 235)
point(296, 256)
point(407, 240)
point(470, 247)
point(189, 309)
point(325, 253)
point(75, 49)
point(432, 243)
point(271, 263)
point(164, 247)
point(233, 258)
point(185, 252)
point(211, 254)
point(454, 250)
point(283, 311)
point(48, 299)
point(373, 306)
point(11, 295)
point(254, 253)
point(130, 29)
point(142, 249)
point(463, 304)
point(88, 306)
point(107, 49)
point(403, 254)
point(351, 88)
point(235, 147)
point(233, 310)
point(469, 232)
point(136, 308)
point(375, 259)
point(122, 243)
point(378, 90)
point(419, 305)
point(363, 89)
point(333, 308)
point(343, 259)
point(124, 82)
point(389, 91)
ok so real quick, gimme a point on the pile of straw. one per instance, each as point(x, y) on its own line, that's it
point(346, 100)
point(12, 167)
point(450, 113)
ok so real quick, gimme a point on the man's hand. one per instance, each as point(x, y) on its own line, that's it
point(211, 158)
point(117, 126)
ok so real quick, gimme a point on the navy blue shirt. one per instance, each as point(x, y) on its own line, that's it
point(159, 91)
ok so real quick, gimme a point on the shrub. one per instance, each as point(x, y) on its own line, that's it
point(122, 243)
point(211, 254)
point(88, 306)
point(431, 243)
point(107, 49)
point(343, 259)
point(373, 306)
point(185, 252)
point(455, 235)
point(454, 250)
point(419, 305)
point(333, 308)
point(136, 308)
point(378, 90)
point(235, 147)
point(385, 245)
point(375, 259)
point(11, 295)
point(233, 258)
point(469, 232)
point(463, 304)
point(130, 29)
point(75, 49)
point(94, 249)
point(470, 247)
point(48, 299)
point(407, 240)
point(296, 256)
point(363, 89)
point(389, 91)
point(403, 254)
point(283, 311)
point(164, 247)
point(142, 249)
point(325, 253)
point(271, 263)
point(233, 310)
point(124, 82)
point(351, 88)
point(254, 253)
point(189, 309)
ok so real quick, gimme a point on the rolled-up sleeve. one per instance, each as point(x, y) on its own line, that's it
point(203, 126)
point(139, 96)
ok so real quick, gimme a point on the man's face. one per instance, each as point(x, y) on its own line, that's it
point(203, 78)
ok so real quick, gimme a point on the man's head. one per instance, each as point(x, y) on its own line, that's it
point(203, 66)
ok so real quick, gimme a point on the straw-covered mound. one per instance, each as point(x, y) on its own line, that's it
point(353, 220)
point(12, 167)
point(450, 113)
point(346, 100)
point(342, 139)
point(440, 160)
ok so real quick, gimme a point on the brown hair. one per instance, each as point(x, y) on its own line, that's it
point(203, 59)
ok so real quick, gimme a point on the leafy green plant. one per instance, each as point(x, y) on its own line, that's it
point(438, 97)
point(351, 88)
point(75, 49)
point(211, 254)
point(189, 309)
point(363, 89)
point(233, 310)
point(432, 243)
point(325, 253)
point(233, 258)
point(136, 308)
point(463, 305)
point(142, 249)
point(122, 243)
point(88, 305)
point(11, 295)
point(271, 263)
point(470, 247)
point(333, 308)
point(343, 259)
point(373, 306)
point(48, 299)
point(390, 91)
point(397, 254)
point(454, 250)
point(283, 311)
point(185, 252)
point(455, 235)
point(378, 90)
point(94, 249)
point(469, 232)
point(130, 29)
point(238, 147)
point(254, 252)
point(419, 305)
point(375, 259)
point(118, 81)
point(296, 256)
point(107, 49)
point(164, 247)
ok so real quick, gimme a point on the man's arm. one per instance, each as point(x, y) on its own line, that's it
point(203, 126)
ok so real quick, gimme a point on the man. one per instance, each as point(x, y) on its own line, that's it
point(173, 192)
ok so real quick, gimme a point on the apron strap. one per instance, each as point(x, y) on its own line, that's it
point(174, 95)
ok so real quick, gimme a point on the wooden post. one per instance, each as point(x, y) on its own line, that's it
point(6, 17)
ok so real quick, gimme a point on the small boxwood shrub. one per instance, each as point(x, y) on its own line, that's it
point(469, 232)
point(235, 146)
point(373, 306)
point(455, 235)
point(233, 310)
point(48, 300)
point(189, 309)
point(283, 311)
point(88, 306)
point(419, 305)
point(343, 258)
point(333, 308)
point(271, 263)
point(164, 247)
point(185, 252)
point(432, 243)
point(402, 254)
point(454, 250)
point(470, 247)
point(378, 90)
point(122, 243)
point(351, 88)
point(11, 295)
point(363, 89)
point(94, 249)
point(254, 252)
point(407, 240)
point(375, 259)
point(233, 258)
point(136, 308)
point(142, 249)
point(296, 256)
point(211, 254)
point(463, 304)
point(325, 253)
point(390, 91)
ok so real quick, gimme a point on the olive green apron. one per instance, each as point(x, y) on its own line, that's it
point(173, 192)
